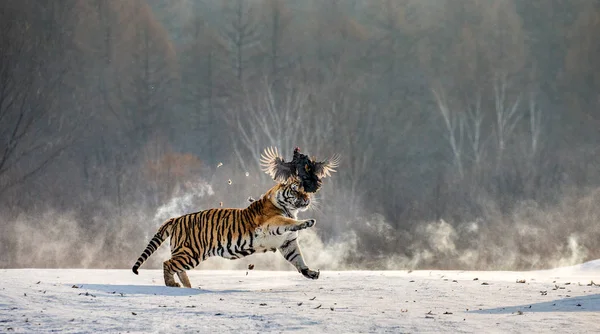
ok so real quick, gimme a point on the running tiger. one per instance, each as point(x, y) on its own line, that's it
point(269, 223)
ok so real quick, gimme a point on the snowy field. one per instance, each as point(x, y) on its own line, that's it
point(561, 300)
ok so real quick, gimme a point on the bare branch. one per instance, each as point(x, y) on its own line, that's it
point(452, 120)
point(535, 123)
point(506, 117)
point(473, 129)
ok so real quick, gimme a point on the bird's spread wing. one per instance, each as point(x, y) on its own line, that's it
point(325, 168)
point(272, 164)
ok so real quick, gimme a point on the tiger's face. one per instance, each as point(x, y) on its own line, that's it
point(292, 196)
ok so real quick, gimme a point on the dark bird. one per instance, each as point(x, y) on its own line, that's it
point(309, 171)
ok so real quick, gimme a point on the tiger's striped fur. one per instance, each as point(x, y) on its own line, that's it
point(269, 223)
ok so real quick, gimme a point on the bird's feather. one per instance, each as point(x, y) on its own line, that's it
point(325, 168)
point(275, 166)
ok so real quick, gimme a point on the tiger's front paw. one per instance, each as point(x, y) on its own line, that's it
point(310, 273)
point(308, 223)
point(173, 284)
point(303, 225)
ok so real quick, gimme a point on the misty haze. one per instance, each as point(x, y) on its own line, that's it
point(468, 129)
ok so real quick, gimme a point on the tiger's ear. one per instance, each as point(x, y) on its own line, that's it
point(294, 186)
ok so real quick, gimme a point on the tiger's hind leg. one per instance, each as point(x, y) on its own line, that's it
point(168, 273)
point(178, 264)
point(183, 277)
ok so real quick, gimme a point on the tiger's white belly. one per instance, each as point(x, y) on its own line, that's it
point(263, 241)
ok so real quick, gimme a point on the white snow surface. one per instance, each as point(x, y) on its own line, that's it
point(562, 300)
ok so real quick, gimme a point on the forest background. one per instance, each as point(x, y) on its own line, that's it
point(468, 129)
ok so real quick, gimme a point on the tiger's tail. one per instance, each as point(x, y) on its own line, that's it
point(163, 232)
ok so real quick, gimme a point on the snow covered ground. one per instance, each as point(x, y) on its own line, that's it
point(561, 300)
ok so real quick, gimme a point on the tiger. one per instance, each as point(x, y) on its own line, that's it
point(269, 223)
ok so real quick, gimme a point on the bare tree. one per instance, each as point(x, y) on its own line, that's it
point(242, 33)
point(132, 77)
point(206, 83)
point(455, 127)
point(474, 131)
point(390, 51)
point(506, 112)
point(355, 141)
point(267, 119)
point(276, 26)
point(535, 124)
point(29, 101)
point(149, 87)
point(103, 34)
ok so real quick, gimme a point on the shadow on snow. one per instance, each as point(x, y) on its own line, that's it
point(589, 303)
point(148, 290)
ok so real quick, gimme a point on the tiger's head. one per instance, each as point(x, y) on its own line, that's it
point(291, 196)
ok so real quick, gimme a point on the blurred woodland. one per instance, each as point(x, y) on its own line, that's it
point(468, 129)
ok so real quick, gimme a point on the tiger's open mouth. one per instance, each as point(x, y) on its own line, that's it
point(302, 203)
